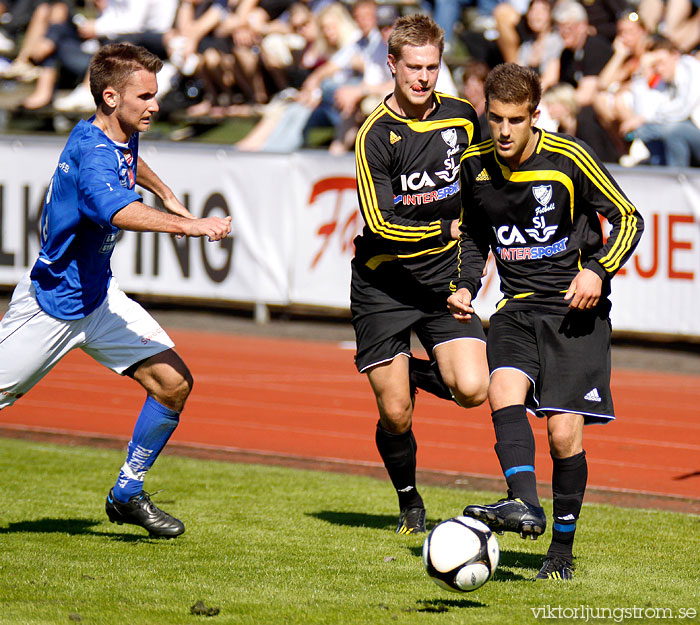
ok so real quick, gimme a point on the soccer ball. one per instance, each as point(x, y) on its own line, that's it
point(461, 554)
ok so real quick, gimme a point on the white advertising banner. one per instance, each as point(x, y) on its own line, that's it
point(251, 265)
point(294, 220)
point(658, 290)
point(327, 221)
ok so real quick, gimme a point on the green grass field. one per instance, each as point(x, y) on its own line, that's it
point(281, 546)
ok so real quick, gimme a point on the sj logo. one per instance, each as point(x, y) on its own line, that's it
point(345, 221)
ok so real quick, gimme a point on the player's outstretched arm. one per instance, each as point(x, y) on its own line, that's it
point(139, 217)
point(460, 305)
point(148, 179)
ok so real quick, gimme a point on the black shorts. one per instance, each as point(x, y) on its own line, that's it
point(386, 306)
point(565, 356)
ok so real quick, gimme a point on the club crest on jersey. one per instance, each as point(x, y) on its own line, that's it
point(449, 136)
point(543, 193)
point(129, 157)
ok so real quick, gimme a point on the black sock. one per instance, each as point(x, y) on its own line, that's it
point(515, 448)
point(569, 477)
point(426, 375)
point(398, 451)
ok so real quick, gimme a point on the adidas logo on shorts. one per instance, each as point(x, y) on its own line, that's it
point(593, 395)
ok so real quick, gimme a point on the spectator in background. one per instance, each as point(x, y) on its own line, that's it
point(248, 23)
point(473, 74)
point(539, 42)
point(36, 58)
point(139, 22)
point(196, 48)
point(192, 32)
point(651, 12)
point(581, 61)
point(682, 23)
point(614, 82)
point(344, 68)
point(289, 57)
point(545, 44)
point(15, 19)
point(602, 15)
point(502, 34)
point(673, 121)
point(632, 41)
point(280, 129)
point(559, 110)
point(448, 13)
point(7, 43)
point(42, 14)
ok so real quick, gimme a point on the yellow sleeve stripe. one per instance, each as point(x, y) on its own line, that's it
point(478, 149)
point(612, 261)
point(368, 196)
point(622, 245)
point(575, 148)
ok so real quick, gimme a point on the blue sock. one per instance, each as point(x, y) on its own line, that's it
point(151, 433)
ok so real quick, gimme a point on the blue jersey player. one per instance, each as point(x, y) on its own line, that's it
point(69, 299)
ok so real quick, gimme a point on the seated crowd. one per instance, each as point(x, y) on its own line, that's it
point(624, 78)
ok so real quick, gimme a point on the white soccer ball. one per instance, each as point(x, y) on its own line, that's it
point(461, 554)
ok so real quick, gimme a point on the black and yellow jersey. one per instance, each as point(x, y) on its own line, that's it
point(542, 221)
point(408, 187)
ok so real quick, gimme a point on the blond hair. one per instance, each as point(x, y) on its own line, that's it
point(415, 30)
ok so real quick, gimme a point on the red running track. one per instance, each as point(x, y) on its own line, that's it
point(305, 399)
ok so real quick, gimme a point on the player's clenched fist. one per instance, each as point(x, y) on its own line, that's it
point(215, 228)
point(460, 305)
